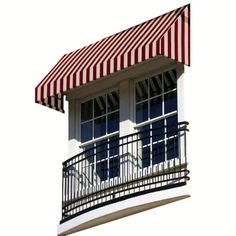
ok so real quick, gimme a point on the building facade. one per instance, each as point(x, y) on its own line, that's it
point(127, 128)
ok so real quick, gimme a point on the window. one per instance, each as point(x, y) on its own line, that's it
point(156, 118)
point(100, 129)
point(100, 116)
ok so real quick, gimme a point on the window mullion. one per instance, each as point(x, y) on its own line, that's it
point(108, 158)
point(163, 113)
point(93, 121)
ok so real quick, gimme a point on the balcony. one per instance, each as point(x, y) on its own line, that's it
point(120, 168)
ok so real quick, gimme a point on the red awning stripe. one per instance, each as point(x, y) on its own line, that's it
point(167, 35)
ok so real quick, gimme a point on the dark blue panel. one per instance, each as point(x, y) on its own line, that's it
point(170, 102)
point(113, 122)
point(155, 107)
point(99, 127)
point(141, 112)
point(172, 125)
point(86, 131)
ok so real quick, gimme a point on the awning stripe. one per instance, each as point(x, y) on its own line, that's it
point(167, 35)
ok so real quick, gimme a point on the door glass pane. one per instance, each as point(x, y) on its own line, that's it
point(146, 156)
point(99, 106)
point(101, 150)
point(145, 135)
point(141, 90)
point(170, 102)
point(158, 152)
point(89, 153)
point(86, 131)
point(156, 107)
point(114, 146)
point(172, 148)
point(145, 145)
point(102, 170)
point(99, 127)
point(87, 110)
point(141, 112)
point(114, 167)
point(113, 102)
point(114, 159)
point(158, 131)
point(155, 85)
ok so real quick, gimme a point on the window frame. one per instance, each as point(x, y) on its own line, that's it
point(107, 135)
point(164, 117)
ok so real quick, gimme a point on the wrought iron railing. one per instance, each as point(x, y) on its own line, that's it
point(119, 168)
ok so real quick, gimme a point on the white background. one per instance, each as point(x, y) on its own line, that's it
point(33, 139)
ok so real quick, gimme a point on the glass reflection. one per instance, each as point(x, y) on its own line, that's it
point(113, 101)
point(87, 110)
point(99, 106)
point(155, 85)
point(170, 80)
point(141, 90)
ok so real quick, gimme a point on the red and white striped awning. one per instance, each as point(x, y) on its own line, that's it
point(167, 35)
